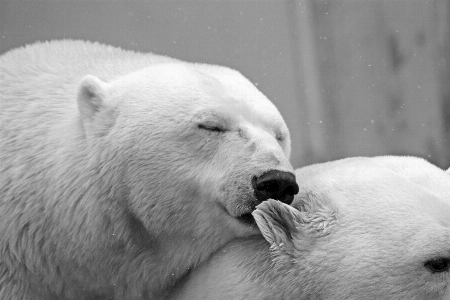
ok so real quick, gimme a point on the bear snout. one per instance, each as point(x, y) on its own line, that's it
point(276, 185)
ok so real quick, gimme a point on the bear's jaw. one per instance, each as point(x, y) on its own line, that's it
point(243, 217)
point(247, 219)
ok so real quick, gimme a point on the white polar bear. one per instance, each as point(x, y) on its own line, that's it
point(362, 228)
point(120, 171)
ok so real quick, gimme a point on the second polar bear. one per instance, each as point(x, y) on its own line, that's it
point(360, 228)
point(120, 171)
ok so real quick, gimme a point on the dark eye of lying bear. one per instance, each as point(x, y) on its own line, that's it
point(438, 265)
point(211, 127)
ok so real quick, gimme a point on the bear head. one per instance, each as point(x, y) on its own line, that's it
point(363, 228)
point(192, 150)
point(360, 228)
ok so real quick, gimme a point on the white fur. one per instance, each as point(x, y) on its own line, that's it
point(108, 187)
point(360, 228)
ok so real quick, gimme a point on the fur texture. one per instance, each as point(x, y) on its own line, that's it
point(361, 228)
point(120, 171)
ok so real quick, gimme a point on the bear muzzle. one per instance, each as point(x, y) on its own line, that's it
point(273, 184)
point(276, 185)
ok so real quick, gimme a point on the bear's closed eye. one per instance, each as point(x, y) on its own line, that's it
point(211, 127)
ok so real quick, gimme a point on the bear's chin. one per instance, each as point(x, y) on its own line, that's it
point(243, 217)
point(247, 219)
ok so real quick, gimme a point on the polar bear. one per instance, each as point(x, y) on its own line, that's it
point(121, 171)
point(361, 228)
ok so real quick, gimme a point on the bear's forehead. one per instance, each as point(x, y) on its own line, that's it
point(233, 89)
point(227, 92)
point(193, 86)
point(374, 192)
point(395, 214)
point(203, 84)
point(389, 191)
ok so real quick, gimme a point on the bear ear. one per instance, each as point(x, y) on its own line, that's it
point(291, 231)
point(91, 96)
point(279, 224)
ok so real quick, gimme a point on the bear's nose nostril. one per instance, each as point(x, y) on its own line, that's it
point(276, 185)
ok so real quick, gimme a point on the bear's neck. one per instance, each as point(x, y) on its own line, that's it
point(147, 257)
point(246, 268)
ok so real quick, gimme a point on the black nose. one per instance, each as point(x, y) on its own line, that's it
point(276, 185)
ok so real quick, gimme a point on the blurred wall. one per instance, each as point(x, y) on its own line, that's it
point(382, 72)
point(350, 77)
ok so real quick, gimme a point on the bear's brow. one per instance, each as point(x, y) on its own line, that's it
point(211, 115)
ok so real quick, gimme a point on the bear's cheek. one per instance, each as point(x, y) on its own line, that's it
point(377, 271)
point(237, 196)
point(226, 173)
point(220, 167)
